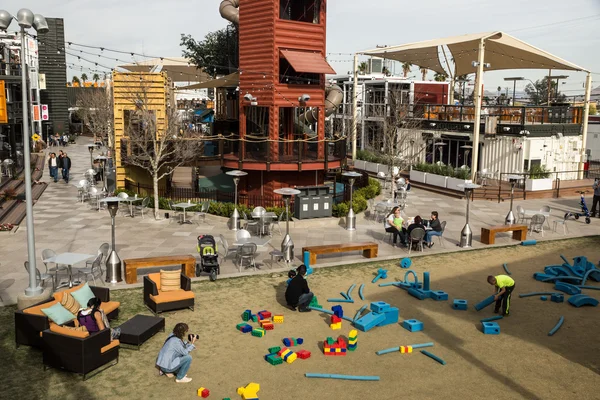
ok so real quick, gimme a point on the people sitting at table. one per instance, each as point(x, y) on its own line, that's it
point(393, 224)
point(435, 229)
point(417, 223)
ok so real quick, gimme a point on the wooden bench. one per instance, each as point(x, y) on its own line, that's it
point(369, 250)
point(188, 265)
point(488, 234)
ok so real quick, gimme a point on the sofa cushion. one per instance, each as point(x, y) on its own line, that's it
point(155, 277)
point(58, 295)
point(69, 302)
point(83, 295)
point(170, 281)
point(37, 310)
point(111, 345)
point(58, 314)
point(69, 331)
point(169, 297)
point(109, 306)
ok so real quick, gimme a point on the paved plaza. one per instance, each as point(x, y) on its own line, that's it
point(64, 224)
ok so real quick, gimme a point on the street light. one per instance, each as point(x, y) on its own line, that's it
point(26, 19)
point(466, 235)
point(514, 80)
point(558, 78)
point(510, 217)
point(91, 150)
point(351, 218)
point(235, 217)
point(103, 160)
point(287, 245)
point(467, 149)
point(113, 263)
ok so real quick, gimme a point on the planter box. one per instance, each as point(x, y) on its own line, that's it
point(383, 168)
point(437, 180)
point(371, 167)
point(533, 185)
point(418, 176)
point(452, 184)
point(359, 164)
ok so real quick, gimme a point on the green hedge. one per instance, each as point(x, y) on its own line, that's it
point(359, 199)
point(443, 170)
point(366, 155)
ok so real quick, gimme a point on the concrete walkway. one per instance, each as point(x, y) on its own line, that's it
point(64, 224)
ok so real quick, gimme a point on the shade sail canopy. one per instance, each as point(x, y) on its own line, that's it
point(502, 51)
point(178, 69)
point(303, 61)
point(230, 80)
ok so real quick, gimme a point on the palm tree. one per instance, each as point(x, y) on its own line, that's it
point(406, 68)
point(84, 78)
point(362, 68)
point(440, 77)
point(96, 78)
point(386, 71)
point(76, 81)
point(423, 73)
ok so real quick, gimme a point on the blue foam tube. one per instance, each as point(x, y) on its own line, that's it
point(565, 259)
point(344, 295)
point(589, 287)
point(557, 326)
point(350, 290)
point(360, 291)
point(414, 346)
point(558, 278)
point(537, 294)
point(347, 318)
point(528, 242)
point(359, 312)
point(322, 310)
point(306, 259)
point(490, 319)
point(506, 268)
point(484, 303)
point(425, 281)
point(390, 283)
point(433, 356)
point(410, 271)
point(345, 377)
point(340, 301)
point(421, 345)
point(378, 277)
point(386, 351)
point(587, 274)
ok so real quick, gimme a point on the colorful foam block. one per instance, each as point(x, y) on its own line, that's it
point(336, 326)
point(303, 354)
point(268, 326)
point(406, 349)
point(244, 328)
point(249, 392)
point(459, 304)
point(274, 349)
point(273, 359)
point(247, 315)
point(290, 358)
point(490, 328)
point(412, 325)
point(278, 319)
point(391, 316)
point(254, 318)
point(330, 341)
point(264, 314)
point(314, 302)
point(258, 332)
point(292, 341)
point(335, 320)
point(203, 392)
point(368, 321)
point(379, 306)
point(337, 311)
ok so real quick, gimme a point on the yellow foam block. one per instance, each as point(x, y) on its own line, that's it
point(336, 326)
point(353, 333)
point(352, 341)
point(278, 319)
point(406, 349)
point(291, 358)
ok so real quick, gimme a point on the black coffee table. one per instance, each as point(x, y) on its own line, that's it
point(140, 328)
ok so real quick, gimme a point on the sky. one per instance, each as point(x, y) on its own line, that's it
point(153, 27)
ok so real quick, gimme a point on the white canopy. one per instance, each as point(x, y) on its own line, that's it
point(230, 80)
point(502, 51)
point(178, 69)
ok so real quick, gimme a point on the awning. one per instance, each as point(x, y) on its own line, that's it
point(231, 80)
point(502, 52)
point(303, 61)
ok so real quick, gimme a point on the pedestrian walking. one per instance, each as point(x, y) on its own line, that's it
point(66, 166)
point(596, 200)
point(53, 166)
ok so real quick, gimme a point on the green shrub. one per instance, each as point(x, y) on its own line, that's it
point(359, 199)
point(539, 172)
point(461, 173)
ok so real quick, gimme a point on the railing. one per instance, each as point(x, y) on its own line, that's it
point(208, 149)
point(10, 69)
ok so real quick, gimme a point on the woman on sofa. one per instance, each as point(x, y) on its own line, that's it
point(174, 357)
point(94, 319)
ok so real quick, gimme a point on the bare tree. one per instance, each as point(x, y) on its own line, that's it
point(96, 110)
point(156, 143)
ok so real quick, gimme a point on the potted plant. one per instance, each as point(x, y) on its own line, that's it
point(419, 171)
point(538, 179)
point(461, 176)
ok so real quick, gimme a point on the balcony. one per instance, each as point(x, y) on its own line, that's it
point(502, 120)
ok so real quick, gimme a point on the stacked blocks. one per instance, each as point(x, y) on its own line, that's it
point(412, 325)
point(352, 340)
point(490, 328)
point(290, 342)
point(287, 355)
point(266, 324)
point(557, 298)
point(203, 392)
point(459, 304)
point(243, 327)
point(406, 349)
point(278, 319)
point(379, 306)
point(273, 359)
point(336, 323)
point(331, 348)
point(381, 314)
point(274, 349)
point(338, 311)
point(258, 332)
point(264, 314)
point(303, 354)
point(250, 392)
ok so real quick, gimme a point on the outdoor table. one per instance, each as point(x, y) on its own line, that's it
point(131, 200)
point(265, 219)
point(184, 206)
point(259, 242)
point(69, 259)
point(531, 213)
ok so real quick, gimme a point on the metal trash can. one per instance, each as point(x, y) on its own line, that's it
point(313, 202)
point(302, 207)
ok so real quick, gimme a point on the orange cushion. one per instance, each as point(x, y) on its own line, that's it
point(112, 344)
point(155, 277)
point(37, 310)
point(109, 306)
point(63, 330)
point(170, 281)
point(169, 297)
point(58, 295)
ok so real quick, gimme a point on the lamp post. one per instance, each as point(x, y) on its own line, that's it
point(26, 19)
point(91, 150)
point(440, 147)
point(351, 218)
point(102, 160)
point(467, 149)
point(510, 217)
point(235, 216)
point(514, 81)
point(113, 263)
point(466, 235)
point(287, 245)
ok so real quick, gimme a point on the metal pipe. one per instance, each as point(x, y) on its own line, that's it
point(229, 10)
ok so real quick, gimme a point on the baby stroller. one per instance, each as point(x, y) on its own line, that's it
point(209, 258)
point(584, 210)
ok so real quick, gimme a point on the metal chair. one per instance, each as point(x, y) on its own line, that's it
point(123, 210)
point(441, 237)
point(176, 213)
point(203, 211)
point(416, 238)
point(545, 211)
point(144, 206)
point(242, 234)
point(521, 214)
point(46, 254)
point(275, 223)
point(562, 222)
point(95, 194)
point(82, 189)
point(41, 278)
point(537, 224)
point(380, 212)
point(95, 269)
point(247, 252)
point(249, 223)
point(259, 210)
point(103, 251)
point(226, 249)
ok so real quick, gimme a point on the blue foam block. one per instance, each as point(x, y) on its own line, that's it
point(567, 288)
point(418, 293)
point(438, 295)
point(459, 304)
point(368, 321)
point(490, 328)
point(412, 325)
point(582, 300)
point(379, 306)
point(426, 281)
point(528, 242)
point(557, 298)
point(544, 298)
point(338, 311)
point(484, 303)
point(306, 258)
point(391, 316)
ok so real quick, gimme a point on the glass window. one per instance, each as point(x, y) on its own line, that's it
point(300, 10)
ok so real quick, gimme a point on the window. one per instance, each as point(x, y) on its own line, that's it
point(300, 10)
point(288, 75)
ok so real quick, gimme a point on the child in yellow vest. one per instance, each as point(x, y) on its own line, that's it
point(503, 287)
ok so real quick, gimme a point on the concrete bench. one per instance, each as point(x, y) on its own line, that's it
point(369, 250)
point(132, 265)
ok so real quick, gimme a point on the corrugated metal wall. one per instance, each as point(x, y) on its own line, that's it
point(53, 64)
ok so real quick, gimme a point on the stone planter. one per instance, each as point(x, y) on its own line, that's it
point(359, 164)
point(371, 167)
point(452, 184)
point(437, 180)
point(418, 176)
point(533, 185)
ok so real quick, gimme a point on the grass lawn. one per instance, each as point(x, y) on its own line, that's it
point(521, 362)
